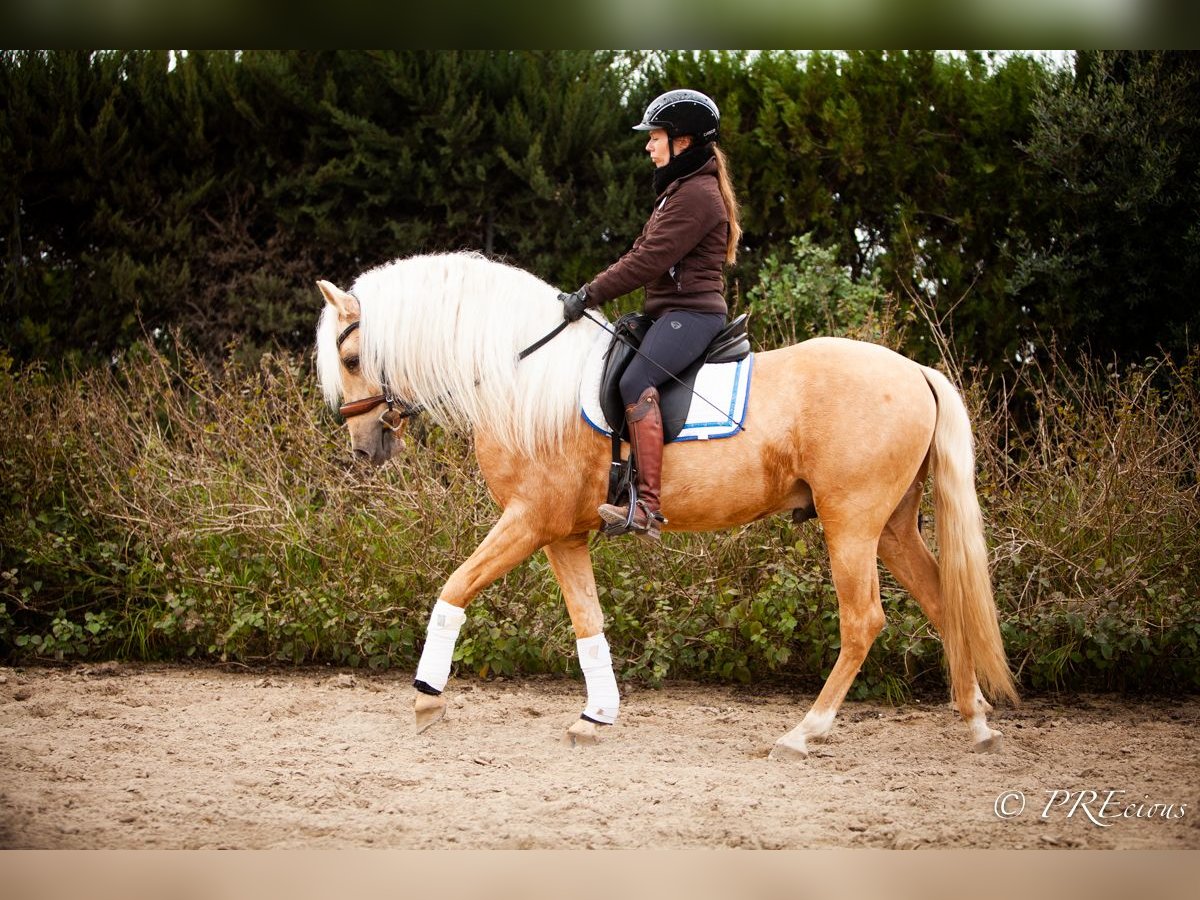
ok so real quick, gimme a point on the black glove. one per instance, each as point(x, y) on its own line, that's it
point(574, 304)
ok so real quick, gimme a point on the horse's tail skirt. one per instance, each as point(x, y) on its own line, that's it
point(970, 629)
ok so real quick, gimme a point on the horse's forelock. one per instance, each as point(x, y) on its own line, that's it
point(329, 365)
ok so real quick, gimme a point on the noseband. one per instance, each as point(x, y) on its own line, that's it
point(397, 409)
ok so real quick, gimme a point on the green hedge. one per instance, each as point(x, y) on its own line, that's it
point(160, 510)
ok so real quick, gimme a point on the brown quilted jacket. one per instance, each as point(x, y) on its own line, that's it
point(680, 255)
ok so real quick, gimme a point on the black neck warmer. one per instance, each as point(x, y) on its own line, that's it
point(685, 163)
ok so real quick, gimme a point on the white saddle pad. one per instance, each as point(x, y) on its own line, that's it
point(718, 407)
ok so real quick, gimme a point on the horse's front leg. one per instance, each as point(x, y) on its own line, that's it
point(572, 564)
point(513, 539)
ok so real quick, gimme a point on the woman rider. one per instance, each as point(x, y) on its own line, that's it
point(692, 234)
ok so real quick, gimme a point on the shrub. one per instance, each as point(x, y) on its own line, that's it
point(805, 292)
point(159, 509)
point(1094, 508)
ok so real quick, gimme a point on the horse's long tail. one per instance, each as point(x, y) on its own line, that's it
point(970, 627)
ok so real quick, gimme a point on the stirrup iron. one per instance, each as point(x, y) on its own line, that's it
point(614, 527)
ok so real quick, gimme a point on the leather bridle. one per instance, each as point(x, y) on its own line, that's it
point(399, 410)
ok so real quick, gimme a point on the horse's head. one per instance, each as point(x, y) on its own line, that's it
point(374, 417)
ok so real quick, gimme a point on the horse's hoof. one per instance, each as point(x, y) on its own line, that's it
point(989, 744)
point(428, 710)
point(786, 750)
point(582, 734)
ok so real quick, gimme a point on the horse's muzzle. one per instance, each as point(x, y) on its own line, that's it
point(377, 449)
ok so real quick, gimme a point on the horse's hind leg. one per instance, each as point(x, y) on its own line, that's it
point(572, 564)
point(856, 580)
point(907, 557)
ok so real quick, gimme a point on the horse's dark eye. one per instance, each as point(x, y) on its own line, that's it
point(351, 364)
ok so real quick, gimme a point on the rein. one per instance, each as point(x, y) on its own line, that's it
point(671, 375)
point(400, 410)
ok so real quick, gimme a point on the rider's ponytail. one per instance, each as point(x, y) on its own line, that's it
point(731, 206)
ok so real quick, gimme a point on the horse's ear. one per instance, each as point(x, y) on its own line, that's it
point(344, 303)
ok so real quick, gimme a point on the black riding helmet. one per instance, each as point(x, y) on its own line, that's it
point(682, 112)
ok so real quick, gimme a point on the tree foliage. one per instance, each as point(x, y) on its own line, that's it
point(207, 190)
point(907, 162)
point(1117, 264)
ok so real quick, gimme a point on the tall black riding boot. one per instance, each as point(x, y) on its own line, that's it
point(646, 441)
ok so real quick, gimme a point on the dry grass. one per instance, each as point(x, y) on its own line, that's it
point(160, 509)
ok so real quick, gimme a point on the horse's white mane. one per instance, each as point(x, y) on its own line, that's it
point(445, 331)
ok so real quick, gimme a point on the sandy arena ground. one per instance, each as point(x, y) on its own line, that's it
point(124, 756)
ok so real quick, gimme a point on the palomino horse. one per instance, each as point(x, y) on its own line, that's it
point(847, 429)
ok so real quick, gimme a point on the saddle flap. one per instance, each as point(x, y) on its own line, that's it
point(731, 344)
point(628, 333)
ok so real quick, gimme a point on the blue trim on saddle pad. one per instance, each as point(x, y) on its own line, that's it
point(725, 386)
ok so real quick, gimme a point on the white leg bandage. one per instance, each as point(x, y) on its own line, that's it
point(602, 697)
point(444, 623)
